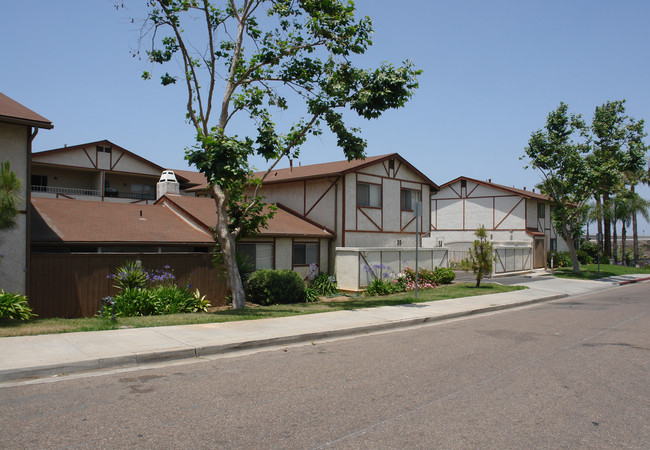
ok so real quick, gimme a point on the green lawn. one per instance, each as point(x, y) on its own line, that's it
point(49, 326)
point(590, 271)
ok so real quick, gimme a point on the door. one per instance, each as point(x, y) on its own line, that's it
point(539, 254)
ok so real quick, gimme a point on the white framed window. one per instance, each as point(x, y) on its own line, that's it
point(258, 253)
point(305, 253)
point(409, 198)
point(369, 195)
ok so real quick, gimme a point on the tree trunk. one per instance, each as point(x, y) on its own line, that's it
point(635, 236)
point(607, 223)
point(478, 280)
point(599, 224)
point(615, 243)
point(623, 237)
point(574, 255)
point(227, 242)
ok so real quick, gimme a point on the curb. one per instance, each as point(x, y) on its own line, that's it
point(636, 280)
point(53, 370)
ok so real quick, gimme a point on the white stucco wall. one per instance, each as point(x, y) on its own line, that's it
point(13, 243)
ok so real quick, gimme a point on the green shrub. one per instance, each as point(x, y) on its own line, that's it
point(267, 287)
point(14, 307)
point(163, 299)
point(129, 275)
point(583, 257)
point(325, 284)
point(382, 287)
point(444, 275)
point(560, 259)
point(311, 295)
point(590, 248)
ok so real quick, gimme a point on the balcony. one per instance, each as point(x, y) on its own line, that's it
point(77, 192)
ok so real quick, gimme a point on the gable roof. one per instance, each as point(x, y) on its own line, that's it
point(104, 142)
point(78, 221)
point(202, 211)
point(511, 190)
point(13, 112)
point(324, 170)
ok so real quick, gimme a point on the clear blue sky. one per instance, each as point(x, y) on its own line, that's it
point(492, 72)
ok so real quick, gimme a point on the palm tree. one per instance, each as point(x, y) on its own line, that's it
point(627, 207)
point(9, 198)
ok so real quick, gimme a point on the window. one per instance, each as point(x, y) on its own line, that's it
point(260, 254)
point(408, 199)
point(369, 195)
point(554, 244)
point(305, 254)
point(39, 183)
point(541, 210)
point(101, 149)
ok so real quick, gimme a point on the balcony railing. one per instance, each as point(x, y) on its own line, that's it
point(92, 192)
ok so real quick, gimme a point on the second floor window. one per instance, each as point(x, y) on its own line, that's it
point(541, 210)
point(369, 195)
point(409, 198)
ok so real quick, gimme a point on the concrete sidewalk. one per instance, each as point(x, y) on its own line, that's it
point(48, 355)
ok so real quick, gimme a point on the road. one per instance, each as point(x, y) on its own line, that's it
point(571, 373)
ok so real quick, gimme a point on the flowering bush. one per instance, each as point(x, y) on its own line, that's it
point(144, 293)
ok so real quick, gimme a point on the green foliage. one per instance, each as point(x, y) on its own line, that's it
point(130, 275)
point(444, 275)
point(380, 286)
point(267, 287)
point(14, 307)
point(325, 284)
point(590, 248)
point(479, 258)
point(583, 257)
point(309, 51)
point(566, 178)
point(560, 259)
point(9, 198)
point(161, 299)
point(311, 295)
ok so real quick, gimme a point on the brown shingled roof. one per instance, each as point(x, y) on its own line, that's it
point(512, 190)
point(78, 221)
point(202, 210)
point(298, 173)
point(13, 112)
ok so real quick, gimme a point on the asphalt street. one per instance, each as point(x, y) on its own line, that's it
point(568, 373)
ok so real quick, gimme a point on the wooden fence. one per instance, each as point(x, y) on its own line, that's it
point(72, 285)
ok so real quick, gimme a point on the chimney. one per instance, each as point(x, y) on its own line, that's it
point(167, 184)
point(290, 165)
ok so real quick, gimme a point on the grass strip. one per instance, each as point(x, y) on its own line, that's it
point(350, 302)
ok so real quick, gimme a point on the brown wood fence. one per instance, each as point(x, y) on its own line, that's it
point(72, 285)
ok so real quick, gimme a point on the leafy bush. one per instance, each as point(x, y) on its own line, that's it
point(426, 279)
point(163, 299)
point(583, 257)
point(325, 284)
point(380, 286)
point(14, 307)
point(590, 248)
point(311, 295)
point(267, 287)
point(130, 275)
point(560, 259)
point(444, 275)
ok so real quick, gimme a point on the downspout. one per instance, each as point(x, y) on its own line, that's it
point(28, 205)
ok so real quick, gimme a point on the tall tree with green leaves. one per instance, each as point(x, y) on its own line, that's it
point(249, 59)
point(9, 196)
point(617, 159)
point(559, 153)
